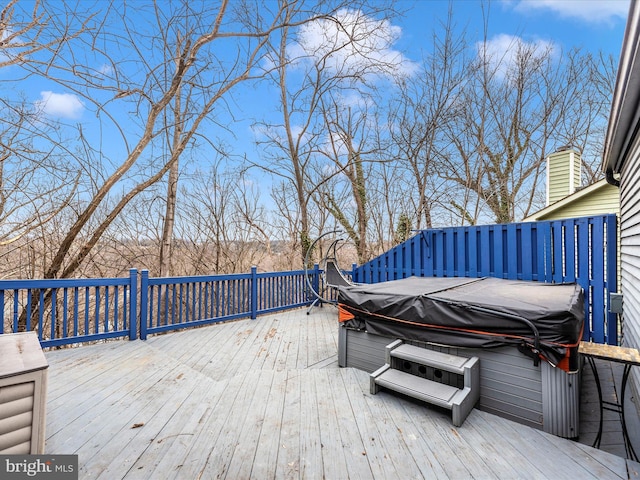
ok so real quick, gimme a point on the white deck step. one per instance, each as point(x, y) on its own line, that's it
point(459, 400)
point(417, 387)
point(423, 356)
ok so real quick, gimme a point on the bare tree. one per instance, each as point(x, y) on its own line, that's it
point(420, 115)
point(183, 70)
point(514, 107)
point(38, 175)
point(25, 34)
point(222, 225)
point(167, 66)
point(466, 140)
point(345, 62)
point(585, 121)
point(346, 189)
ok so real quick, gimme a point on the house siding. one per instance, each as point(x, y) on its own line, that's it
point(630, 248)
point(602, 201)
point(630, 253)
point(563, 175)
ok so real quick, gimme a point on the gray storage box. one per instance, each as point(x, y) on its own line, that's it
point(23, 386)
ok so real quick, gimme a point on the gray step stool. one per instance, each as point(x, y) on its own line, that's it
point(441, 379)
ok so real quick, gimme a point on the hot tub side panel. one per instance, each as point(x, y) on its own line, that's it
point(510, 385)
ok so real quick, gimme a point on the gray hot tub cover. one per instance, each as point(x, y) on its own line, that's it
point(543, 320)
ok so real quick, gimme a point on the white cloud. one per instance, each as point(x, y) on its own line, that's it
point(592, 11)
point(278, 133)
point(501, 52)
point(354, 100)
point(105, 69)
point(7, 39)
point(61, 105)
point(353, 43)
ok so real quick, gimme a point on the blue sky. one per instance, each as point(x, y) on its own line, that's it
point(593, 25)
point(589, 24)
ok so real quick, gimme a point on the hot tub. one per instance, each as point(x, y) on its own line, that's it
point(526, 335)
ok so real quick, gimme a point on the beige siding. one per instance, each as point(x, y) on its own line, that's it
point(602, 201)
point(558, 181)
point(562, 180)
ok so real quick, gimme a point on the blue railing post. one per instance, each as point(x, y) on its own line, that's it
point(144, 303)
point(133, 300)
point(254, 293)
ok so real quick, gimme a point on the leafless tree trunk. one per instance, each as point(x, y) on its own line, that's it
point(172, 187)
point(347, 151)
point(420, 116)
point(293, 146)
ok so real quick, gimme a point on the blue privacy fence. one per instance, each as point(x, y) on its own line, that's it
point(69, 311)
point(582, 250)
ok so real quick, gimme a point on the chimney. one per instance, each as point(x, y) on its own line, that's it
point(563, 173)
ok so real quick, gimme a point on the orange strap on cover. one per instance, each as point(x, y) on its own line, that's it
point(344, 315)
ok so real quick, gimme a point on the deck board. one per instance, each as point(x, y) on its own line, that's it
point(190, 461)
point(366, 425)
point(265, 399)
point(350, 440)
point(140, 423)
point(288, 459)
point(268, 442)
point(309, 441)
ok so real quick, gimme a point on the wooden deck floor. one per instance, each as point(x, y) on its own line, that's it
point(265, 399)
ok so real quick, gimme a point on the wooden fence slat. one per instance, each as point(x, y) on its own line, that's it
point(438, 253)
point(487, 252)
point(558, 245)
point(450, 255)
point(427, 259)
point(527, 246)
point(498, 252)
point(611, 278)
point(460, 263)
point(597, 279)
point(514, 251)
point(473, 255)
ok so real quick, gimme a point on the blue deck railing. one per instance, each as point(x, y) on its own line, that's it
point(182, 302)
point(65, 311)
point(69, 311)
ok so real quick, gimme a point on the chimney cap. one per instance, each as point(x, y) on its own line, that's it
point(568, 147)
